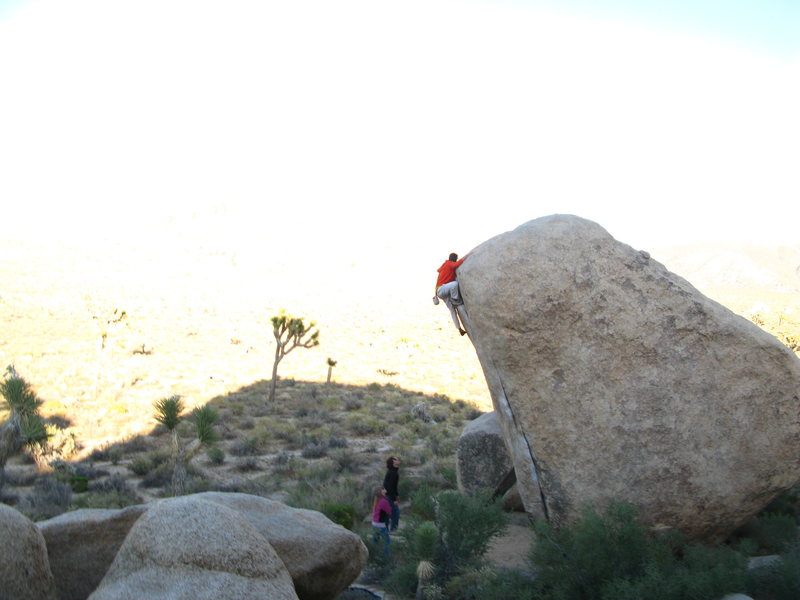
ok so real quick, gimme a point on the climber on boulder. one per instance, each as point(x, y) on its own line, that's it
point(447, 288)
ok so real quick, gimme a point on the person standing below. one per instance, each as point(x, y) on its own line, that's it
point(381, 515)
point(447, 288)
point(390, 482)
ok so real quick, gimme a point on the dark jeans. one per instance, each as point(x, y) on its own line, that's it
point(395, 519)
point(381, 532)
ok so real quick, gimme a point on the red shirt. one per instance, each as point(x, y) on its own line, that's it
point(447, 272)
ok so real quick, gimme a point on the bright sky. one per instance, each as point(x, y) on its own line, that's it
point(373, 127)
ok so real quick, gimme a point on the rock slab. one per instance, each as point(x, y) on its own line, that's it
point(482, 460)
point(24, 570)
point(323, 558)
point(191, 549)
point(82, 545)
point(614, 378)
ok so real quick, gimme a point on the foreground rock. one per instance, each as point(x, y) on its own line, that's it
point(24, 570)
point(82, 545)
point(323, 558)
point(616, 379)
point(482, 460)
point(193, 549)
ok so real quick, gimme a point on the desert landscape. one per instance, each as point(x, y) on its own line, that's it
point(196, 322)
point(103, 332)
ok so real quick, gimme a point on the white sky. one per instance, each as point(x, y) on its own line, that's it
point(355, 127)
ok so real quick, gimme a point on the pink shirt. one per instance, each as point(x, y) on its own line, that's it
point(381, 505)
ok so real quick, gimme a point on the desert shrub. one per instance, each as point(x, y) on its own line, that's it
point(343, 491)
point(472, 414)
point(21, 478)
point(78, 484)
point(337, 442)
point(365, 425)
point(352, 403)
point(613, 557)
point(61, 444)
point(318, 472)
point(141, 466)
point(312, 449)
point(8, 498)
point(422, 500)
point(248, 447)
point(467, 525)
point(288, 432)
point(136, 444)
point(216, 455)
point(159, 476)
point(779, 580)
point(441, 444)
point(49, 498)
point(402, 581)
point(491, 584)
point(440, 472)
point(247, 424)
point(113, 492)
point(247, 464)
point(345, 460)
point(286, 464)
point(88, 470)
point(773, 532)
point(788, 503)
point(341, 514)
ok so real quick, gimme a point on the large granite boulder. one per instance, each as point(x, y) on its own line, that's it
point(187, 548)
point(616, 379)
point(323, 558)
point(482, 460)
point(82, 545)
point(24, 570)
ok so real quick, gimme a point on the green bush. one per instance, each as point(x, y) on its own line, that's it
point(112, 492)
point(613, 557)
point(141, 466)
point(423, 503)
point(774, 532)
point(467, 525)
point(341, 514)
point(777, 581)
point(490, 584)
point(49, 498)
point(216, 455)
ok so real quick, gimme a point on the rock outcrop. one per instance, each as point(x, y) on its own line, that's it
point(195, 549)
point(24, 570)
point(482, 460)
point(323, 558)
point(82, 544)
point(616, 379)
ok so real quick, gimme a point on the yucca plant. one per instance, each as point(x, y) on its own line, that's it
point(24, 426)
point(169, 414)
point(425, 547)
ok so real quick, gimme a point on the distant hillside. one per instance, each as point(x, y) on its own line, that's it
point(746, 266)
point(761, 283)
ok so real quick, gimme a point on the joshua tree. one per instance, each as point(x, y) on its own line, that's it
point(290, 332)
point(24, 426)
point(425, 546)
point(168, 413)
point(331, 364)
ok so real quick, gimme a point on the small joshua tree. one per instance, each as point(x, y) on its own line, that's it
point(331, 364)
point(290, 333)
point(168, 413)
point(24, 426)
